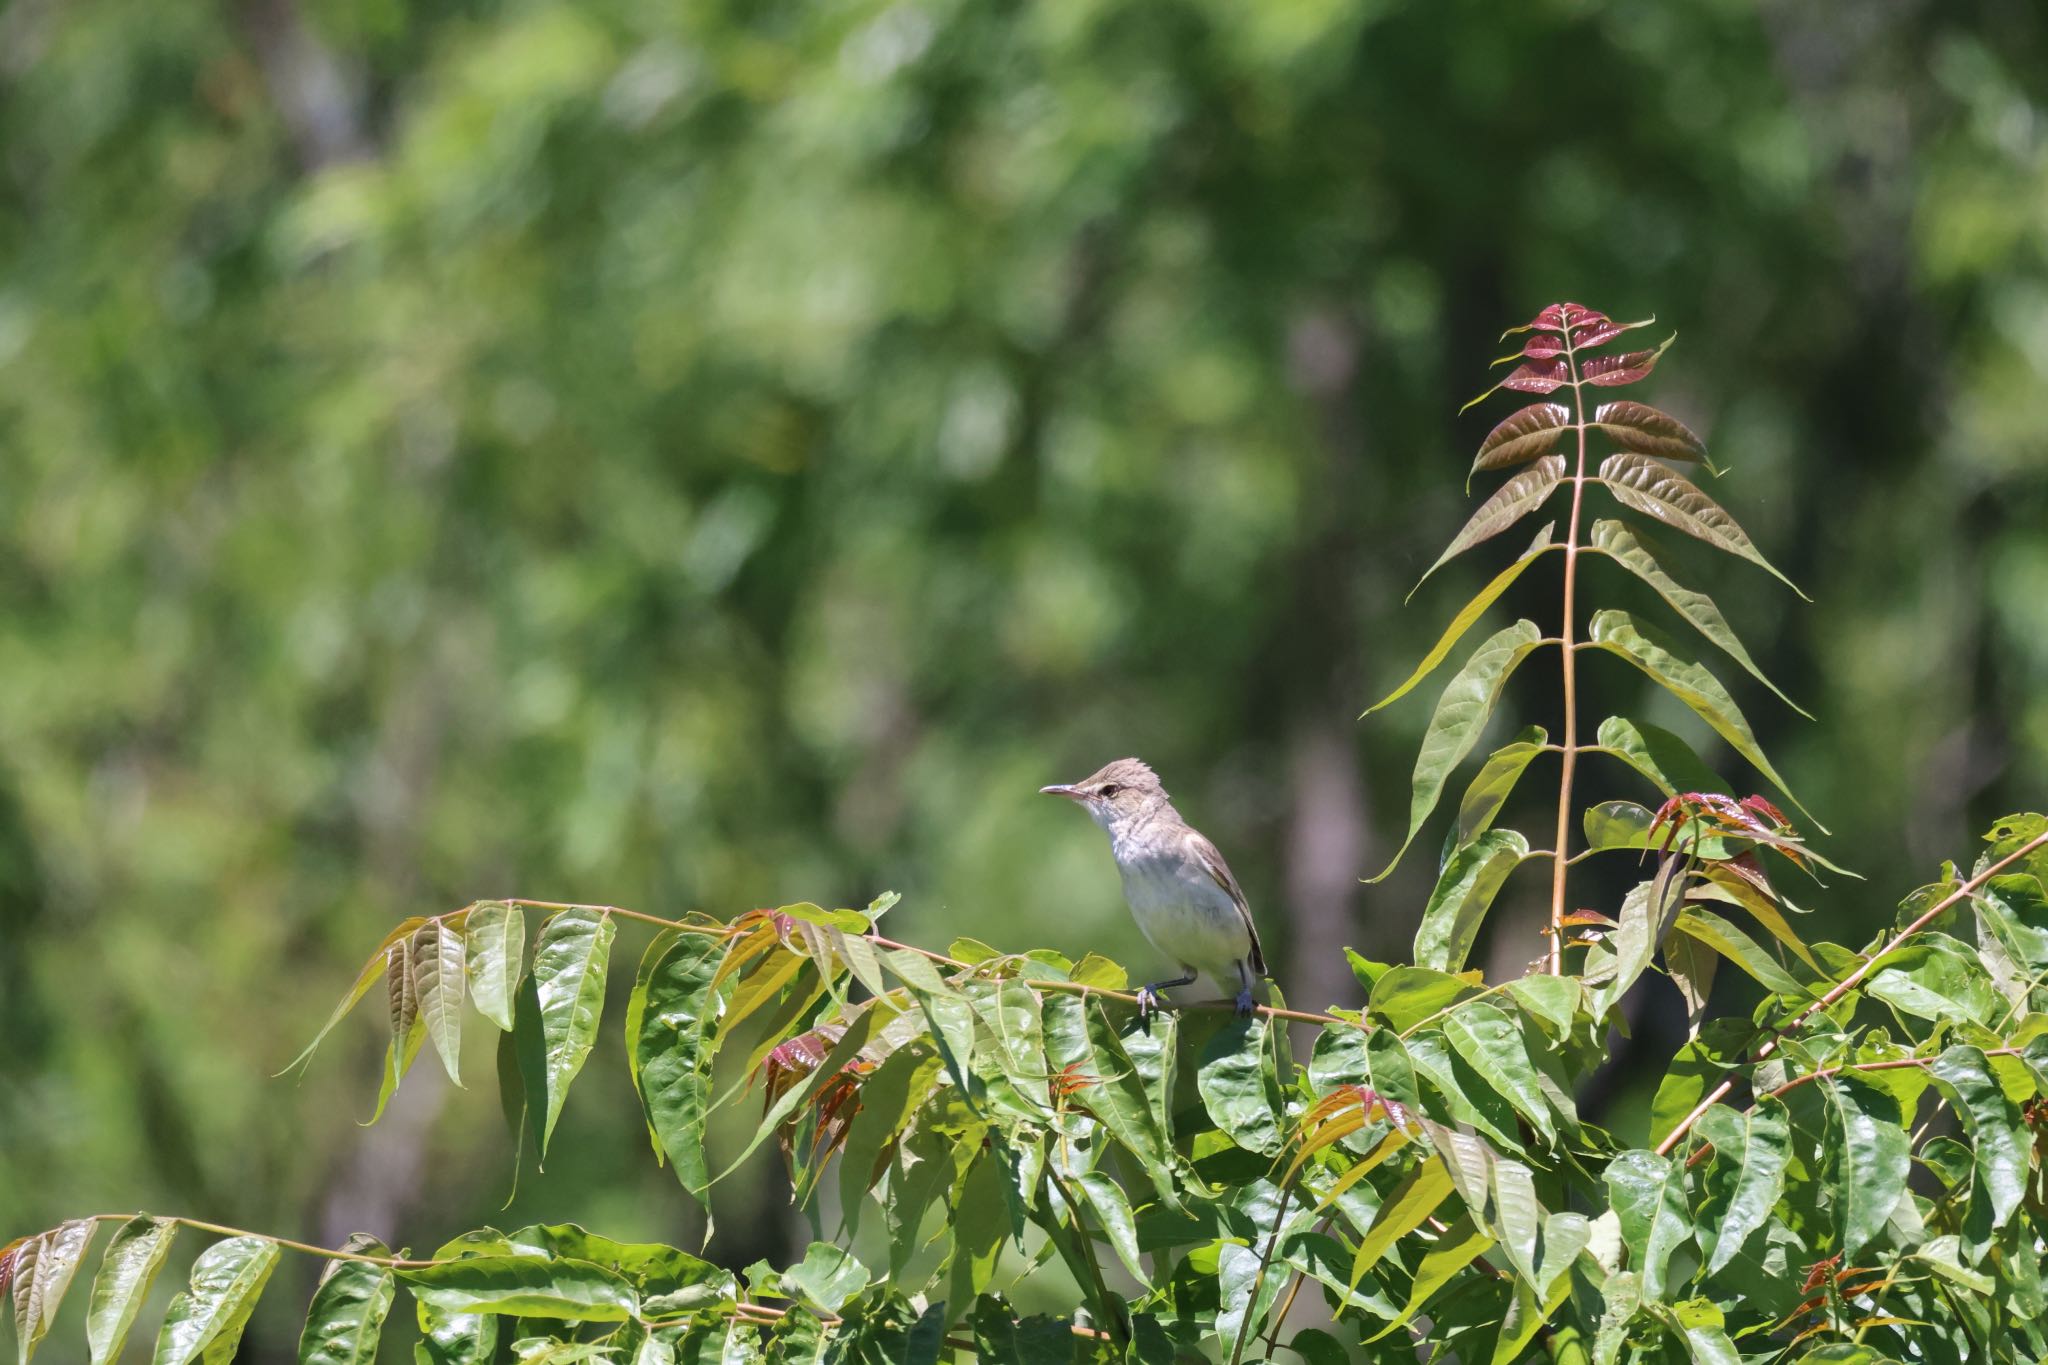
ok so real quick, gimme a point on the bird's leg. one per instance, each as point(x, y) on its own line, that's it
point(1244, 990)
point(1148, 996)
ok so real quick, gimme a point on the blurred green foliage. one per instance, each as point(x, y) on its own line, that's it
point(713, 455)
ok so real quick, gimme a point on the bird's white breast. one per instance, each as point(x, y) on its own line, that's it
point(1183, 912)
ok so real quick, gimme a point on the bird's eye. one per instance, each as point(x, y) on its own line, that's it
point(1109, 789)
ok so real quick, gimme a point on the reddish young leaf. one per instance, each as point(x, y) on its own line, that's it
point(1540, 376)
point(1597, 329)
point(1648, 431)
point(1626, 368)
point(1543, 345)
point(1557, 317)
point(1529, 434)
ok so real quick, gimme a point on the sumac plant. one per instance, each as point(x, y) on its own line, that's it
point(1848, 1170)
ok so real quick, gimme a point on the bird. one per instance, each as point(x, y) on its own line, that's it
point(1181, 892)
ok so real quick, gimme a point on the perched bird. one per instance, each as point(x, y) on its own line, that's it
point(1179, 888)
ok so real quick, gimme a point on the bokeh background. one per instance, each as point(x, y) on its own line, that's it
point(710, 455)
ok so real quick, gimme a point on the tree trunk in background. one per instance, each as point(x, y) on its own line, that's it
point(1327, 818)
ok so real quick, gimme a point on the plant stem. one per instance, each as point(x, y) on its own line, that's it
point(1569, 745)
point(326, 1253)
point(1108, 1308)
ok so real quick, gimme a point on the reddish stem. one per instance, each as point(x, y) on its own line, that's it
point(1569, 746)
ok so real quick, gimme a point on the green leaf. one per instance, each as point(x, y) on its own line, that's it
point(569, 966)
point(1666, 663)
point(1616, 825)
point(1495, 781)
point(1867, 1157)
point(208, 1318)
point(525, 1286)
point(1640, 483)
point(437, 963)
point(1491, 1045)
point(979, 1222)
point(1565, 1235)
point(1659, 755)
point(1512, 501)
point(828, 1276)
point(1459, 1246)
point(1646, 914)
point(1647, 1192)
point(1746, 1179)
point(1705, 1331)
point(1730, 886)
point(461, 1338)
point(1554, 1000)
point(373, 971)
point(1935, 977)
point(1467, 885)
point(1112, 1209)
point(889, 1098)
point(1468, 615)
point(1405, 996)
point(43, 1270)
point(126, 1273)
point(636, 1023)
point(1691, 966)
point(1999, 1138)
point(1407, 1207)
point(494, 944)
point(408, 1030)
point(1523, 436)
point(1704, 926)
point(1078, 1035)
point(1617, 542)
point(1648, 431)
point(1238, 1089)
point(1622, 1298)
point(1460, 717)
point(1518, 1215)
point(348, 1311)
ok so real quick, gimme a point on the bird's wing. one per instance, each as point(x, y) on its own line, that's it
point(1219, 871)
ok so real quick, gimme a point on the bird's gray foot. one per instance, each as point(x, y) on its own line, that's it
point(1149, 1001)
point(1244, 1002)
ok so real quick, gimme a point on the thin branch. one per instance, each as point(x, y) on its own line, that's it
point(1569, 745)
point(1848, 983)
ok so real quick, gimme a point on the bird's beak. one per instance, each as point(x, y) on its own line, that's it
point(1071, 793)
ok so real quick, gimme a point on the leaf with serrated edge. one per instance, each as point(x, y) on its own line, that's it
point(1649, 431)
point(1460, 717)
point(1618, 543)
point(1662, 659)
point(494, 943)
point(1471, 877)
point(1512, 501)
point(127, 1271)
point(208, 1318)
point(569, 966)
point(1467, 616)
point(1640, 483)
point(1527, 435)
point(437, 963)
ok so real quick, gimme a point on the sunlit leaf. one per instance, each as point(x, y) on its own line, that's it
point(1648, 431)
point(670, 1053)
point(1492, 1046)
point(437, 963)
point(1079, 1041)
point(1460, 718)
point(127, 1271)
point(1607, 371)
point(346, 1317)
point(1407, 1207)
point(1667, 664)
point(828, 1276)
point(1648, 1195)
point(1746, 1179)
point(1533, 432)
point(1458, 1246)
point(1495, 781)
point(1467, 616)
point(1706, 927)
point(1512, 501)
point(372, 972)
point(1867, 1158)
point(43, 1270)
point(1615, 540)
point(494, 941)
point(1999, 1139)
point(1659, 755)
point(569, 967)
point(1464, 890)
point(1935, 977)
point(1655, 490)
point(525, 1286)
point(208, 1318)
point(1239, 1091)
point(1405, 996)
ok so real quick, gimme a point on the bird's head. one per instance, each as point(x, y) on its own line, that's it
point(1123, 792)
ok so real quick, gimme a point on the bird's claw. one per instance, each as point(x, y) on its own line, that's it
point(1244, 1003)
point(1149, 1001)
